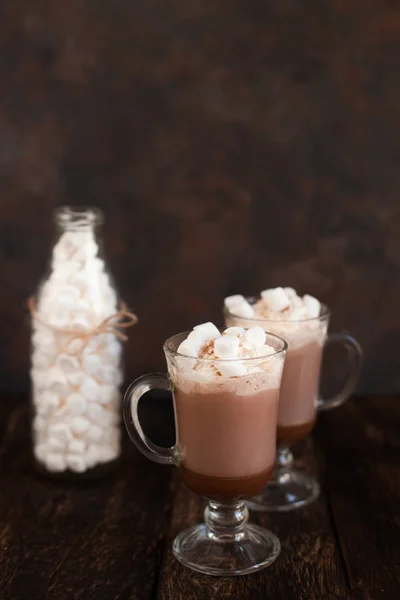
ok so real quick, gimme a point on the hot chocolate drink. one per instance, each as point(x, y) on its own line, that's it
point(303, 325)
point(226, 425)
point(225, 387)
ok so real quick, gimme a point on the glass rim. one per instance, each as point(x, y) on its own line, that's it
point(78, 216)
point(325, 313)
point(168, 349)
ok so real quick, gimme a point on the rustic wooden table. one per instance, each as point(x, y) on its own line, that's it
point(112, 539)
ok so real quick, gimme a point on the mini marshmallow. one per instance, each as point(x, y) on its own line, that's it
point(108, 374)
point(39, 378)
point(81, 323)
point(108, 394)
point(266, 350)
point(313, 306)
point(39, 424)
point(75, 346)
point(231, 369)
point(40, 360)
point(76, 378)
point(192, 345)
point(226, 346)
point(90, 389)
point(244, 309)
point(290, 293)
point(207, 331)
point(55, 444)
point(55, 462)
point(98, 414)
point(94, 433)
point(46, 402)
point(61, 432)
point(255, 336)
point(76, 446)
point(91, 364)
point(93, 455)
point(67, 363)
point(76, 463)
point(79, 425)
point(40, 452)
point(232, 301)
point(56, 378)
point(234, 331)
point(276, 299)
point(75, 404)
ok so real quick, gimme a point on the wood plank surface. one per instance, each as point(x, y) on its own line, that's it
point(361, 447)
point(100, 540)
point(112, 539)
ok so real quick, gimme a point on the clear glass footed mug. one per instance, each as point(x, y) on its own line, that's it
point(225, 450)
point(299, 400)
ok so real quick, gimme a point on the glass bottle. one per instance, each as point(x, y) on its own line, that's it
point(76, 354)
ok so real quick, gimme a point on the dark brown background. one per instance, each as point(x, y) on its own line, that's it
point(233, 145)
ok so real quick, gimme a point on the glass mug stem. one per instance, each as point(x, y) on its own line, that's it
point(355, 357)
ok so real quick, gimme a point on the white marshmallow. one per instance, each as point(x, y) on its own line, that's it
point(93, 455)
point(46, 402)
point(313, 306)
point(244, 309)
point(61, 432)
point(40, 360)
point(76, 463)
point(75, 404)
point(55, 444)
point(55, 462)
point(234, 331)
point(290, 293)
point(75, 346)
point(90, 389)
point(56, 379)
point(67, 363)
point(207, 331)
point(191, 346)
point(231, 301)
point(91, 364)
point(266, 350)
point(276, 299)
point(39, 424)
point(40, 452)
point(76, 378)
point(81, 323)
point(79, 425)
point(94, 433)
point(76, 446)
point(98, 414)
point(108, 394)
point(108, 374)
point(39, 378)
point(226, 346)
point(255, 336)
point(231, 369)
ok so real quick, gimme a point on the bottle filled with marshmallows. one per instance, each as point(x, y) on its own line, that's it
point(76, 371)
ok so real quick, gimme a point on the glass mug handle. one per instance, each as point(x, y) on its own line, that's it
point(156, 381)
point(354, 353)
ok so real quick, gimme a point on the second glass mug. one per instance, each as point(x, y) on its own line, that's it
point(225, 450)
point(299, 400)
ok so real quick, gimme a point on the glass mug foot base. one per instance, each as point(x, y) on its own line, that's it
point(251, 550)
point(287, 491)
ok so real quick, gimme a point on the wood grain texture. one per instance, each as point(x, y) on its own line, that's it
point(308, 568)
point(101, 540)
point(112, 539)
point(361, 446)
point(232, 147)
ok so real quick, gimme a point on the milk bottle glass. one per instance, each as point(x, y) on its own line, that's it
point(76, 354)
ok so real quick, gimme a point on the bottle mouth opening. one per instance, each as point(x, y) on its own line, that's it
point(78, 217)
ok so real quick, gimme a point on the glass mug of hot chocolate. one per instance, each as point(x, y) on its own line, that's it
point(225, 388)
point(303, 323)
